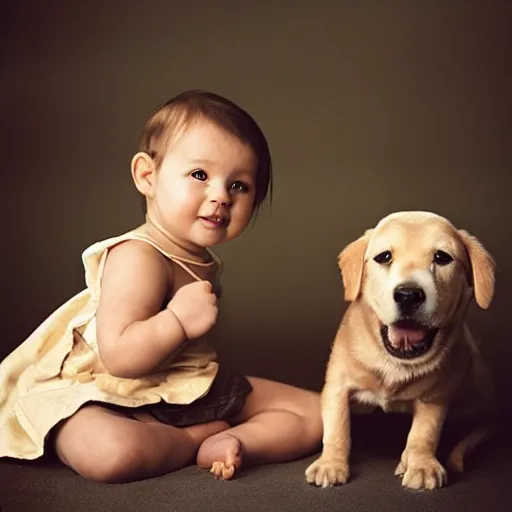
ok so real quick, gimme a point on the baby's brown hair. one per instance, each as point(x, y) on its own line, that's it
point(185, 108)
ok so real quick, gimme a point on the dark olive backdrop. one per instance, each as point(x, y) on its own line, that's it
point(369, 107)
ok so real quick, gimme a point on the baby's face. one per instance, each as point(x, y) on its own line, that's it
point(205, 188)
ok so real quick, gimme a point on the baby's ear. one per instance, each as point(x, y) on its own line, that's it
point(483, 269)
point(351, 264)
point(143, 173)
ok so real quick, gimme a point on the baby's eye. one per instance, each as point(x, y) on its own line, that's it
point(199, 174)
point(239, 186)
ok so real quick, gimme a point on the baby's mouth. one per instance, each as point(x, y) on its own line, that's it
point(215, 220)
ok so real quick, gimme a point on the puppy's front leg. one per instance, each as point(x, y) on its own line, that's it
point(332, 467)
point(419, 466)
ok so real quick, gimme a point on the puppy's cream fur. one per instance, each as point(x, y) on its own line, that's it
point(448, 379)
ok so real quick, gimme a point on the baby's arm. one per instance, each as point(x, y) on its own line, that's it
point(134, 334)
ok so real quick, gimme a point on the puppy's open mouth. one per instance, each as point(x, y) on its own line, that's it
point(408, 339)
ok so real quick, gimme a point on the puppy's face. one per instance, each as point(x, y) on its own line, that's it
point(417, 273)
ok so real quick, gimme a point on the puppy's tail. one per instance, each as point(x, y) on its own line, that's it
point(477, 436)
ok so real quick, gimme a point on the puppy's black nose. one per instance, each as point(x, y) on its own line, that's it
point(409, 297)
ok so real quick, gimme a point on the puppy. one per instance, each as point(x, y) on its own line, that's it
point(403, 344)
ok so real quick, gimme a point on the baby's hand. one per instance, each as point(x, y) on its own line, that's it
point(195, 305)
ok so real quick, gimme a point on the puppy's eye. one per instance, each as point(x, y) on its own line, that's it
point(383, 258)
point(442, 258)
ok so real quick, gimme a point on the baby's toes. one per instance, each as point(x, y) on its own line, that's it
point(223, 470)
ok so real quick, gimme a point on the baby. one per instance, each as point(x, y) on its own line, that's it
point(121, 380)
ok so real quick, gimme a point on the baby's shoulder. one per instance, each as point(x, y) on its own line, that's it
point(134, 246)
point(138, 255)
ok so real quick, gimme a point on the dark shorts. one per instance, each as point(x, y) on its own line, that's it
point(224, 401)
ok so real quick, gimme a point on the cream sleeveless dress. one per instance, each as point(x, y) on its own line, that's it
point(57, 369)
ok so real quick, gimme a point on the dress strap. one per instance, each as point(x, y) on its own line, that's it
point(185, 267)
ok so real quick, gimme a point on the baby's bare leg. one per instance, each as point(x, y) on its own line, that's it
point(278, 423)
point(105, 446)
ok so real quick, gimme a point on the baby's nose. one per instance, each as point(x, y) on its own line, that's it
point(219, 194)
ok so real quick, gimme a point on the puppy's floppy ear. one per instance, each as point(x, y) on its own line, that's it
point(351, 263)
point(483, 269)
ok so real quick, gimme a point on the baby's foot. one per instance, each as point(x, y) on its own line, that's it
point(222, 453)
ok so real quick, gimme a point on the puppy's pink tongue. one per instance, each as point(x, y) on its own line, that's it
point(405, 338)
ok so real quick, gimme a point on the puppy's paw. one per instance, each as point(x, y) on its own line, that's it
point(421, 471)
point(327, 471)
point(400, 469)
